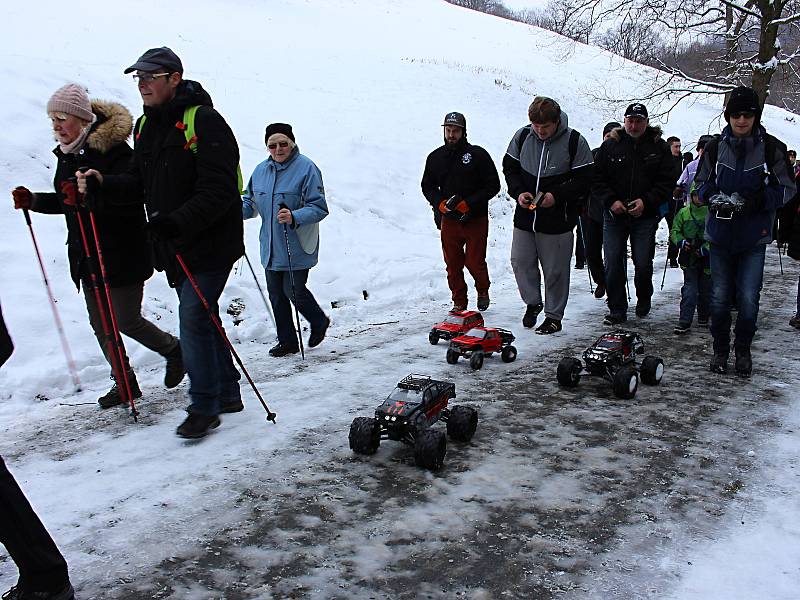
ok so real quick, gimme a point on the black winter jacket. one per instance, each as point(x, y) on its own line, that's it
point(628, 168)
point(199, 191)
point(463, 170)
point(120, 222)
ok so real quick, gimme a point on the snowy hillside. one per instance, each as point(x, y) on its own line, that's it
point(365, 85)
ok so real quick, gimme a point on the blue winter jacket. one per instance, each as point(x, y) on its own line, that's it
point(297, 182)
point(742, 167)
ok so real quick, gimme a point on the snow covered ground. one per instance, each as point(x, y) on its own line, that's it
point(259, 510)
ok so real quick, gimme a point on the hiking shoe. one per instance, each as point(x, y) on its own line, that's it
point(719, 363)
point(795, 321)
point(315, 337)
point(614, 319)
point(533, 310)
point(642, 308)
point(231, 406)
point(197, 426)
point(682, 328)
point(279, 350)
point(17, 593)
point(175, 371)
point(549, 326)
point(743, 365)
point(113, 396)
point(483, 301)
point(599, 291)
point(702, 321)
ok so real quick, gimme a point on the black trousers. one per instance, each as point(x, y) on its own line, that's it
point(41, 566)
point(593, 237)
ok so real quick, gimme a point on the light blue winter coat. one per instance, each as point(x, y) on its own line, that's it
point(297, 182)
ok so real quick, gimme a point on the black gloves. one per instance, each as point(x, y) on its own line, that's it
point(163, 227)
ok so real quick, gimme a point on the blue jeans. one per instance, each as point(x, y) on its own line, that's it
point(744, 272)
point(642, 232)
point(213, 380)
point(279, 288)
point(696, 292)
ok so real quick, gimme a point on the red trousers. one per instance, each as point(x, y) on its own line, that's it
point(456, 236)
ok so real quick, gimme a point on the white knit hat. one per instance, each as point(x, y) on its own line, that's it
point(71, 99)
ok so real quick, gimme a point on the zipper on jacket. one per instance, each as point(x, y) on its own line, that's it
point(538, 177)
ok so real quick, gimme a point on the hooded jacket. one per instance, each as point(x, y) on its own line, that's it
point(120, 221)
point(544, 166)
point(741, 166)
point(463, 170)
point(197, 190)
point(296, 182)
point(628, 168)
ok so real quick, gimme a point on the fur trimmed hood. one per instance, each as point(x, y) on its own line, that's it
point(653, 131)
point(113, 126)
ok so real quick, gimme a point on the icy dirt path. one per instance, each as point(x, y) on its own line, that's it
point(561, 493)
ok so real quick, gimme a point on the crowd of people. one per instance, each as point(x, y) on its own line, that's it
point(721, 210)
point(183, 169)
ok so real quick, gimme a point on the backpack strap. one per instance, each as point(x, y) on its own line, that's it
point(187, 126)
point(574, 138)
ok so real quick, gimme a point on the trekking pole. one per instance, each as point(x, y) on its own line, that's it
point(260, 291)
point(585, 257)
point(113, 354)
point(73, 371)
point(291, 281)
point(780, 260)
point(116, 339)
point(215, 319)
point(664, 276)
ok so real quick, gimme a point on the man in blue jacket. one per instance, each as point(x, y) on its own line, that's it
point(745, 177)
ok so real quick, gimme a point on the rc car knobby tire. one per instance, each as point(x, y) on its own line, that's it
point(462, 423)
point(429, 449)
point(452, 357)
point(569, 371)
point(365, 435)
point(476, 360)
point(652, 370)
point(509, 354)
point(626, 382)
point(433, 338)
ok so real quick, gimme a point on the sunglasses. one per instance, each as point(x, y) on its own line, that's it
point(148, 77)
point(742, 115)
point(281, 144)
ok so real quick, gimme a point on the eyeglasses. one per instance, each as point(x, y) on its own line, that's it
point(742, 115)
point(281, 144)
point(148, 77)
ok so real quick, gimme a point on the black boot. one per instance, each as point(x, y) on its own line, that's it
point(175, 370)
point(744, 363)
point(18, 593)
point(114, 398)
point(719, 362)
point(316, 336)
point(197, 426)
point(283, 349)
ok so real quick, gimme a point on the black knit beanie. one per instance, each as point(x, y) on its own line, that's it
point(743, 99)
point(283, 128)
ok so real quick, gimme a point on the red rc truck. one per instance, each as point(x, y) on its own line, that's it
point(456, 323)
point(480, 342)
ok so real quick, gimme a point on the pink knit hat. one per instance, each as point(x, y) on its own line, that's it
point(71, 99)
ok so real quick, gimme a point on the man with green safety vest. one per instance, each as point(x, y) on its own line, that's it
point(186, 165)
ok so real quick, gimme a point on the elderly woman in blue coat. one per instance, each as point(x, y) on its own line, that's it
point(286, 192)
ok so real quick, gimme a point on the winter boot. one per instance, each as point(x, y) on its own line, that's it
point(114, 398)
point(483, 301)
point(643, 308)
point(743, 364)
point(533, 310)
point(615, 319)
point(599, 291)
point(682, 327)
point(316, 336)
point(175, 370)
point(232, 406)
point(197, 426)
point(279, 350)
point(719, 362)
point(18, 593)
point(795, 321)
